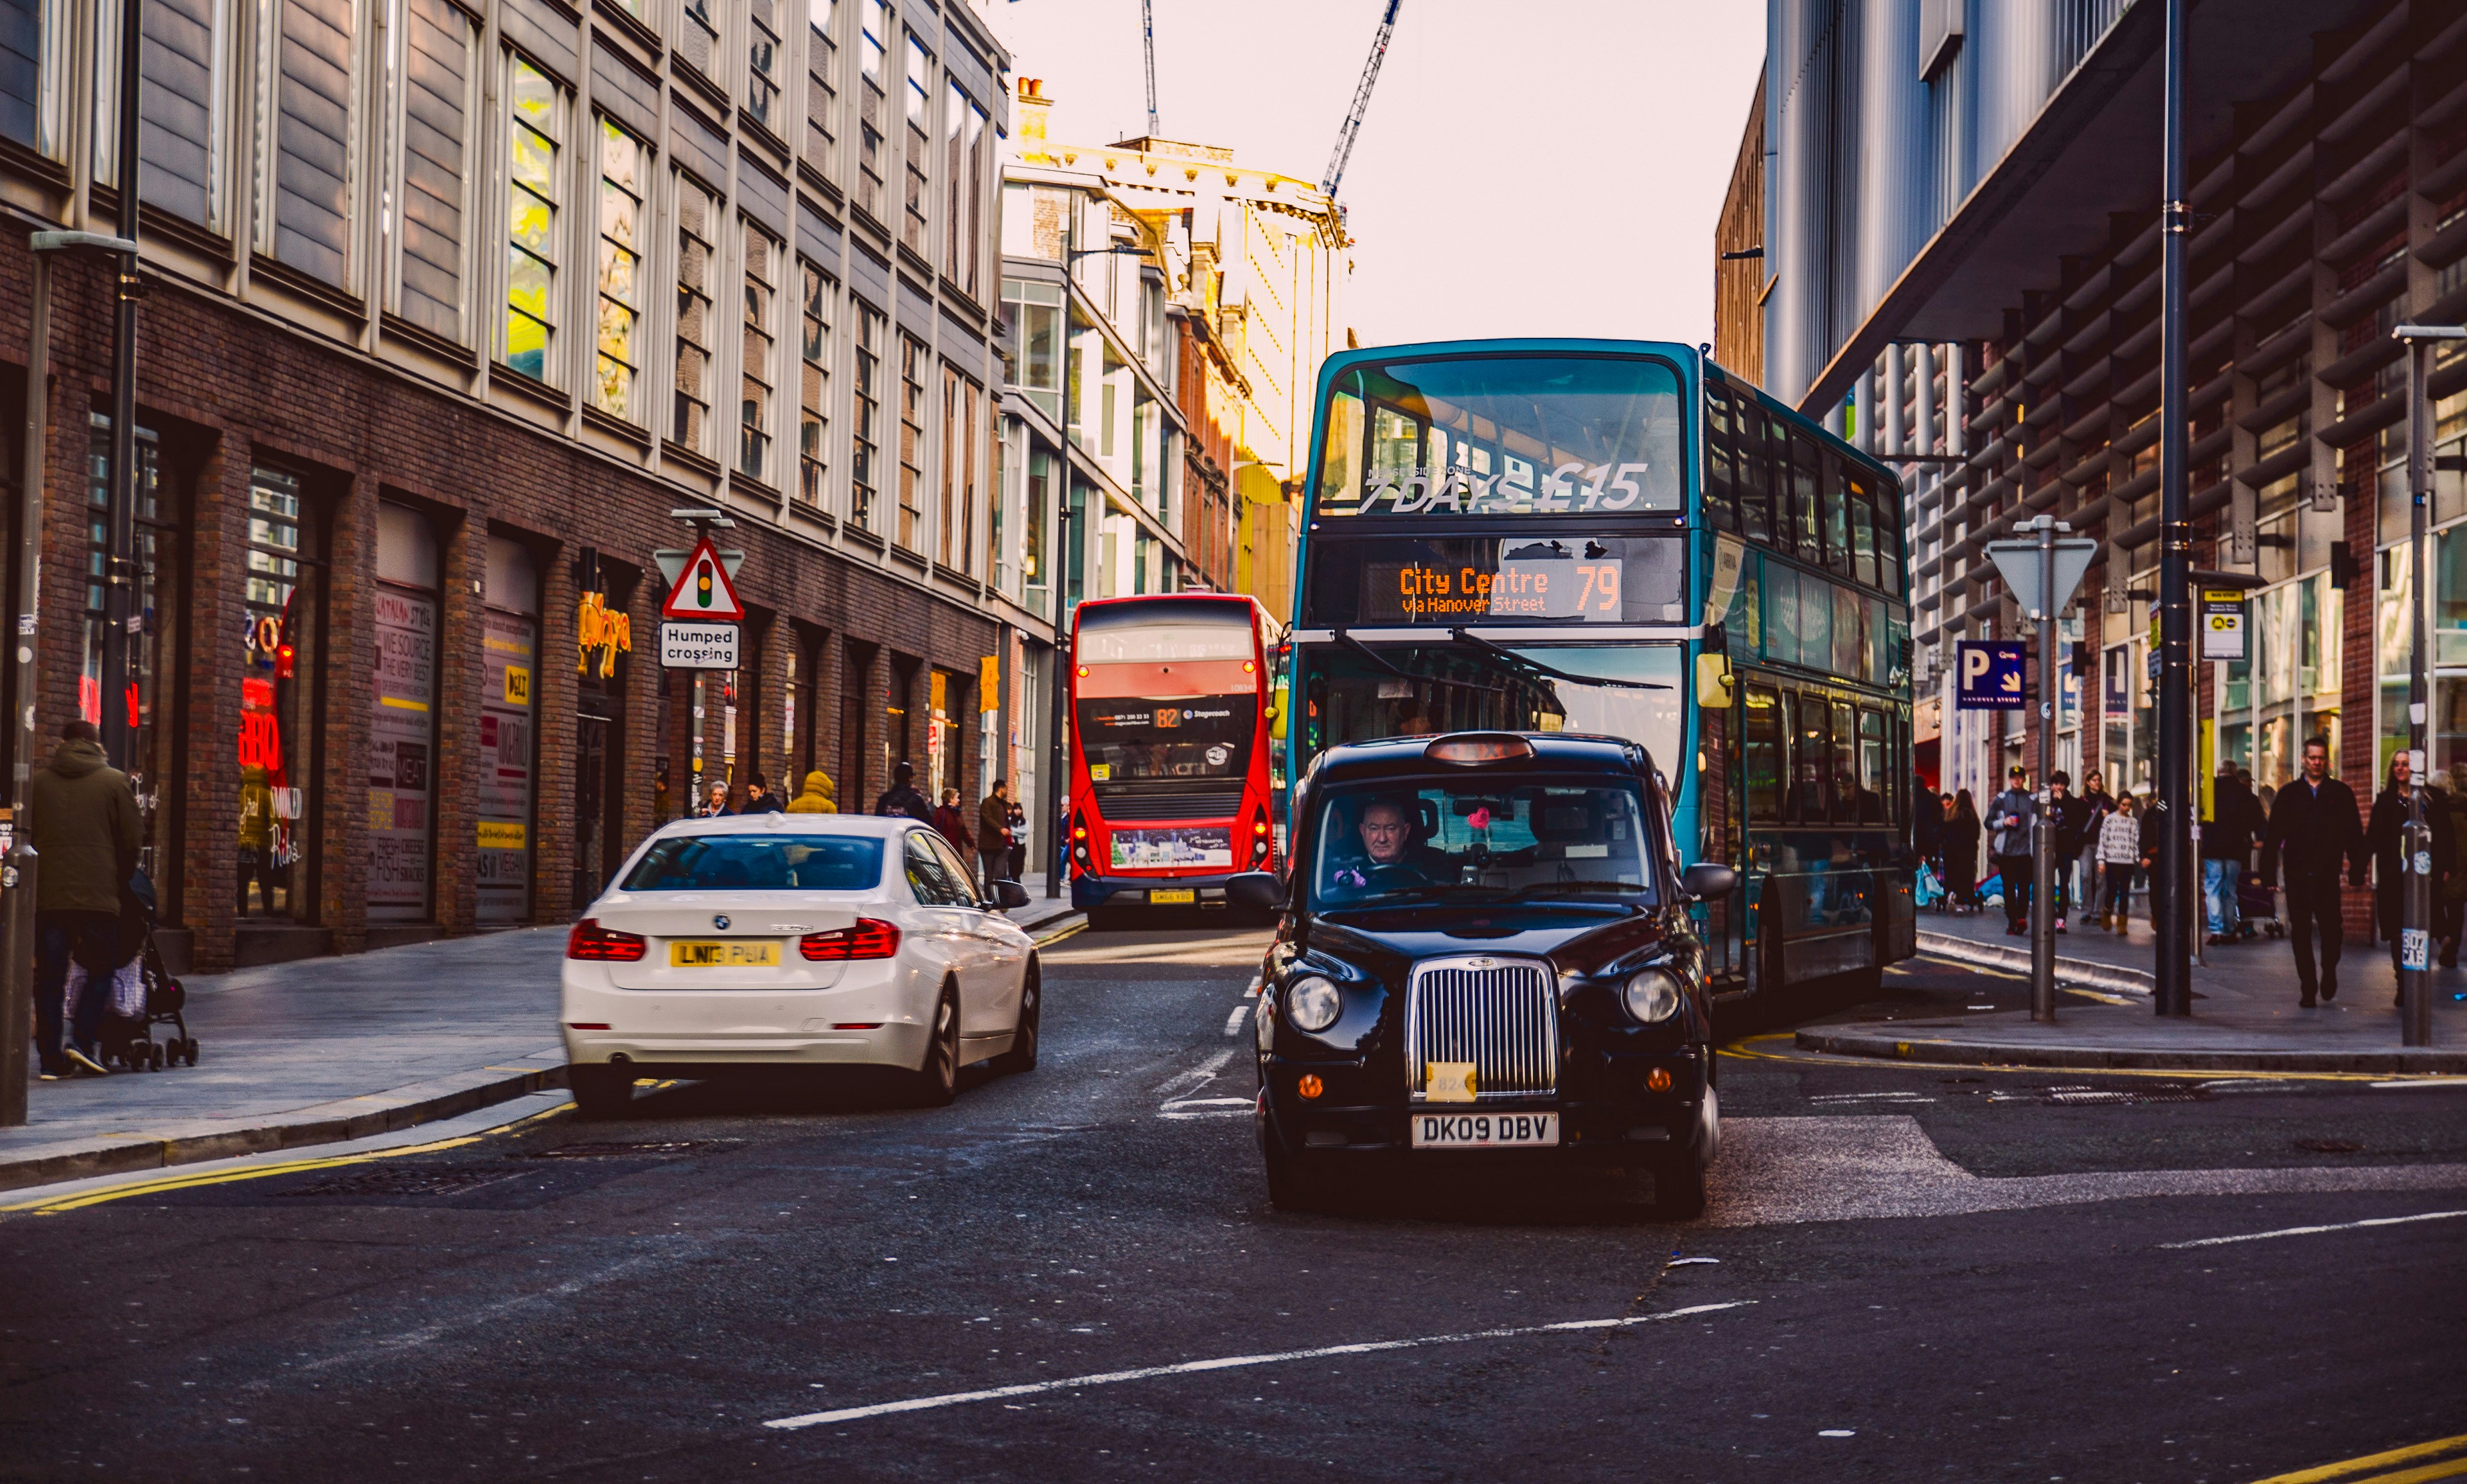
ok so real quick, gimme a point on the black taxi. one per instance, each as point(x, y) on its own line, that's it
point(1483, 954)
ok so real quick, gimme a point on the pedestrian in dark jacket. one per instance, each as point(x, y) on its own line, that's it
point(952, 822)
point(903, 798)
point(2011, 816)
point(2383, 839)
point(759, 800)
point(1961, 851)
point(86, 829)
point(2227, 849)
point(2072, 819)
point(993, 835)
point(2314, 826)
point(1927, 821)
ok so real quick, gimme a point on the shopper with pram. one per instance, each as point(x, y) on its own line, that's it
point(85, 832)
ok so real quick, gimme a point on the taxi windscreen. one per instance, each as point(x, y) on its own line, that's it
point(758, 863)
point(1474, 842)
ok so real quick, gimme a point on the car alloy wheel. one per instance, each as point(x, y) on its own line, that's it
point(938, 1081)
point(1022, 1055)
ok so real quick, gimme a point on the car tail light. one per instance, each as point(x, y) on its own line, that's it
point(868, 939)
point(603, 945)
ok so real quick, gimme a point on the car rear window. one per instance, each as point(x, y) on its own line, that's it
point(758, 863)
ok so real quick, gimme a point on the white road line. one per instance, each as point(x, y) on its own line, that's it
point(1207, 1108)
point(2307, 1231)
point(2425, 1082)
point(1204, 1071)
point(1226, 1363)
point(1234, 1021)
point(1253, 993)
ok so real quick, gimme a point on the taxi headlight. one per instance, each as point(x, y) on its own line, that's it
point(1652, 996)
point(1312, 1003)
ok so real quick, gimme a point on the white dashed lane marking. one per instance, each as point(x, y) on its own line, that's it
point(1230, 1363)
point(2309, 1231)
point(1234, 1021)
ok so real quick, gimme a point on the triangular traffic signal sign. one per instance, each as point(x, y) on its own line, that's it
point(702, 590)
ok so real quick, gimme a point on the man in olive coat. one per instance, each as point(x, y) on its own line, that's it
point(85, 831)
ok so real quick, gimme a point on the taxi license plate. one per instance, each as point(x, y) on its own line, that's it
point(723, 956)
point(1172, 896)
point(1486, 1131)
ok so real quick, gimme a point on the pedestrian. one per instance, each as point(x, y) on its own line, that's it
point(2120, 856)
point(952, 824)
point(2101, 804)
point(816, 796)
point(1016, 816)
point(903, 798)
point(1927, 821)
point(993, 835)
point(716, 803)
point(759, 800)
point(2012, 815)
point(2071, 817)
point(2227, 846)
point(86, 828)
point(1961, 851)
point(2385, 839)
point(2314, 826)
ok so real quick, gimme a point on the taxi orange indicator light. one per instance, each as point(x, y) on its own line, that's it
point(1311, 1085)
point(1658, 1079)
point(1479, 748)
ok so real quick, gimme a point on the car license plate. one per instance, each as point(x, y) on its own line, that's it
point(1172, 896)
point(1486, 1131)
point(738, 954)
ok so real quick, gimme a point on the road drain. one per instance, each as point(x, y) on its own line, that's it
point(611, 1150)
point(399, 1183)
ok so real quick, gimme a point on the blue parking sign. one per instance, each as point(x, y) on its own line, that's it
point(1989, 674)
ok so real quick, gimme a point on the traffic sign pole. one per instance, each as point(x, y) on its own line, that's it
point(2416, 851)
point(702, 596)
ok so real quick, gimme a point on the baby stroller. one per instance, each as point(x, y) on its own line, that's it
point(2257, 908)
point(144, 994)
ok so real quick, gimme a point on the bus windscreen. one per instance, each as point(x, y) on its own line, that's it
point(1171, 739)
point(1557, 437)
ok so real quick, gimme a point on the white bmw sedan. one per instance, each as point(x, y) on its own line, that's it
point(795, 939)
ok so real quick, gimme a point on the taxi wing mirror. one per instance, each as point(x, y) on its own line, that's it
point(1259, 891)
point(1709, 879)
point(1713, 682)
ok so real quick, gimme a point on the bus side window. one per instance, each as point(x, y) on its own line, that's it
point(1810, 753)
point(1875, 770)
point(1721, 493)
point(1890, 573)
point(1761, 751)
point(1846, 765)
point(1830, 498)
point(1807, 522)
point(1858, 503)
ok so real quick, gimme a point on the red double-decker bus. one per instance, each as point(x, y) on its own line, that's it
point(1169, 751)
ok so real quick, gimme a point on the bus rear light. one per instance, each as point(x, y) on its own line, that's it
point(867, 938)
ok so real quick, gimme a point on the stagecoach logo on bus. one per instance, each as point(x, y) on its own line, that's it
point(1572, 489)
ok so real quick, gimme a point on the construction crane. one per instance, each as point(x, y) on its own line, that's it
point(1147, 36)
point(1361, 102)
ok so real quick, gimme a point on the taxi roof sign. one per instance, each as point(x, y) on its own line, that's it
point(703, 591)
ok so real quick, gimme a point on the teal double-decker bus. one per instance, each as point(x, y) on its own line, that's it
point(1616, 537)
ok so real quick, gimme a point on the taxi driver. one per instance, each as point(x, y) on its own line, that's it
point(1385, 831)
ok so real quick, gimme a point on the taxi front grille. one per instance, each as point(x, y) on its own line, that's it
point(1500, 1015)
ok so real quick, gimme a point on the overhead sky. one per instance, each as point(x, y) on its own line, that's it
point(1552, 166)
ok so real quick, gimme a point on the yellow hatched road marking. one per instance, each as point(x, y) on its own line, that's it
point(2353, 1468)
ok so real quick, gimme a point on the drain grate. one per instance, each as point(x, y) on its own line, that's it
point(399, 1183)
point(613, 1149)
point(2331, 1146)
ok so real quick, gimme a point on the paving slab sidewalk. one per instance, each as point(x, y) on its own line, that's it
point(326, 1049)
point(2246, 1016)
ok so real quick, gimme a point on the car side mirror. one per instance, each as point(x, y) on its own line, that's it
point(1009, 895)
point(1707, 879)
point(1260, 891)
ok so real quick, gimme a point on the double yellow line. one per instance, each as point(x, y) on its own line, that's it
point(2443, 1458)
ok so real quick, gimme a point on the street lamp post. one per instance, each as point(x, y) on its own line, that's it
point(2173, 981)
point(2416, 853)
point(120, 611)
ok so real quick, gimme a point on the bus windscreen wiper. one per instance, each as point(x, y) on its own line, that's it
point(1547, 671)
point(1375, 658)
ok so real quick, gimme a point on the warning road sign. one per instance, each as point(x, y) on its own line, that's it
point(703, 591)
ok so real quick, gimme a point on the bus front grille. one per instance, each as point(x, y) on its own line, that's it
point(1500, 1013)
point(1139, 806)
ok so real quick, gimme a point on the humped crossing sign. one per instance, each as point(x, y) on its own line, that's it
point(702, 590)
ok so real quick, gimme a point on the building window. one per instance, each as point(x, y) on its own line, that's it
point(508, 731)
point(911, 439)
point(695, 228)
point(698, 39)
point(949, 549)
point(864, 462)
point(623, 175)
point(762, 64)
point(278, 716)
point(402, 717)
point(759, 417)
point(963, 189)
point(530, 222)
point(814, 385)
point(822, 90)
point(431, 242)
point(870, 107)
point(958, 533)
point(1034, 311)
point(920, 140)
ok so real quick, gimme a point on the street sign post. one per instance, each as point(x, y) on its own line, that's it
point(2042, 574)
point(1989, 674)
point(2416, 853)
point(2223, 626)
point(702, 615)
point(688, 645)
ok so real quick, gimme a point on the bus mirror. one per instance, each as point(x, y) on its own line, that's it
point(1713, 682)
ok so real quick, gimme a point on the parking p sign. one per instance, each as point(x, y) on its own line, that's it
point(1989, 674)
